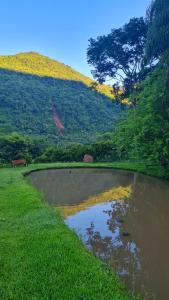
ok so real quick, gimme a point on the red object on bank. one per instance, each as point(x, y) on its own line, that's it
point(19, 162)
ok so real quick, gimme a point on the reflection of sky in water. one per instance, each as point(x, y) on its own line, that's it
point(93, 214)
point(101, 228)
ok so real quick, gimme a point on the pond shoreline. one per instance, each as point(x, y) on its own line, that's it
point(40, 254)
point(36, 239)
point(153, 171)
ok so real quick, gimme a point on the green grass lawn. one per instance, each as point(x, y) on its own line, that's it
point(40, 258)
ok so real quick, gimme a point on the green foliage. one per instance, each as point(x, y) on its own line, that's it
point(101, 151)
point(158, 32)
point(27, 102)
point(144, 134)
point(120, 54)
point(36, 64)
point(16, 146)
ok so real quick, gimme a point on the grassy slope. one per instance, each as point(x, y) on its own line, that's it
point(40, 258)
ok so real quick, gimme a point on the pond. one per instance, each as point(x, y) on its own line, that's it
point(121, 216)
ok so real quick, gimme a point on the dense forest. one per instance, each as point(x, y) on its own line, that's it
point(136, 58)
point(50, 100)
point(35, 64)
point(143, 62)
point(144, 133)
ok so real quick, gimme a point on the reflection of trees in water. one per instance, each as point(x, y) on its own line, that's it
point(140, 258)
point(118, 251)
point(101, 247)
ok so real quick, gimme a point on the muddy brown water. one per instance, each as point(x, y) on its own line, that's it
point(121, 216)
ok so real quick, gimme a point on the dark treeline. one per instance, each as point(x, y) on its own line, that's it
point(101, 151)
point(16, 146)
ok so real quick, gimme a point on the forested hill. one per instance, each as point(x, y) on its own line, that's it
point(42, 97)
point(37, 64)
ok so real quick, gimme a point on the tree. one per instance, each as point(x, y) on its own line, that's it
point(16, 146)
point(158, 29)
point(120, 54)
point(144, 134)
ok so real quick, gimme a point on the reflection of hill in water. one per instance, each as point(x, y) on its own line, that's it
point(74, 186)
point(119, 194)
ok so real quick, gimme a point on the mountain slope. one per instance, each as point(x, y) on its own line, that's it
point(36, 64)
point(42, 97)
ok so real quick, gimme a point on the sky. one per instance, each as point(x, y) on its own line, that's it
point(61, 29)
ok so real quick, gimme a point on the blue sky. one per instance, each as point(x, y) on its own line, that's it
point(61, 28)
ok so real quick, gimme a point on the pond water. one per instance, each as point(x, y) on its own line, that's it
point(121, 216)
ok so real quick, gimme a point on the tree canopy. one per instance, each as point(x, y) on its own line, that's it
point(158, 32)
point(127, 55)
point(144, 134)
point(120, 54)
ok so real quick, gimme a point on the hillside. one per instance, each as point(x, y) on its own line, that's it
point(34, 63)
point(42, 97)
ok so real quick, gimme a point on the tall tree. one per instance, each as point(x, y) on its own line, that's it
point(120, 54)
point(158, 29)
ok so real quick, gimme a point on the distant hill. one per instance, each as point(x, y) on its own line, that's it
point(43, 97)
point(34, 63)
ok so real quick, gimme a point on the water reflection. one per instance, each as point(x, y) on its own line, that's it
point(119, 194)
point(119, 251)
point(108, 242)
point(122, 217)
point(73, 186)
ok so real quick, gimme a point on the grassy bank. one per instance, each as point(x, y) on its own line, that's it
point(147, 169)
point(151, 170)
point(40, 258)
